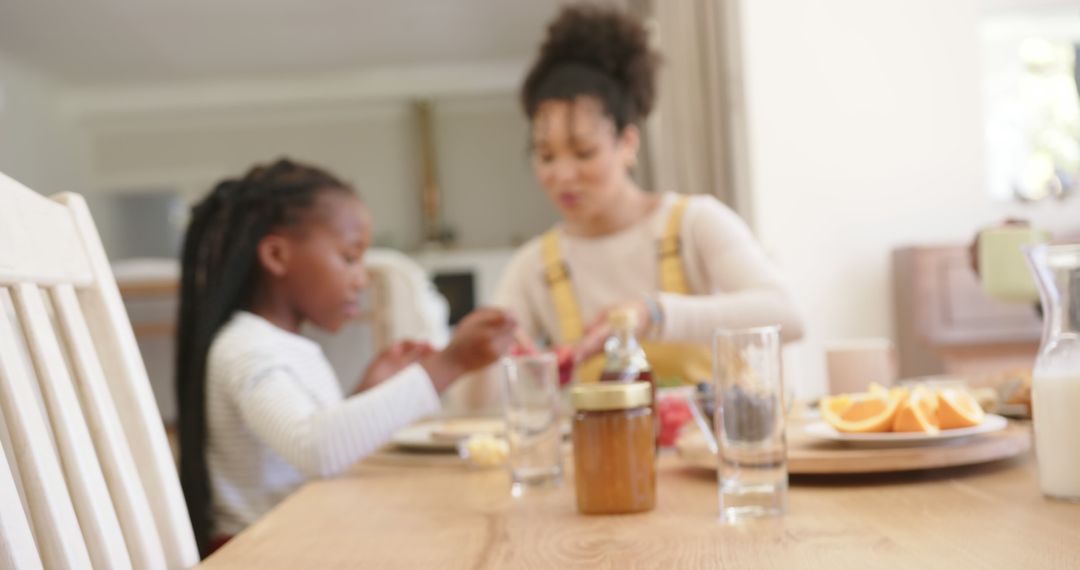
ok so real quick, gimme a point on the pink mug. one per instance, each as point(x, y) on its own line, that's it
point(854, 364)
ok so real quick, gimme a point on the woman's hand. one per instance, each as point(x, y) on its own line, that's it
point(598, 331)
point(392, 360)
point(481, 337)
point(523, 345)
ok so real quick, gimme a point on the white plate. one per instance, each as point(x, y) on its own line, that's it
point(444, 435)
point(822, 430)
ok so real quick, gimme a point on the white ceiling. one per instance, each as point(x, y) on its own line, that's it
point(90, 42)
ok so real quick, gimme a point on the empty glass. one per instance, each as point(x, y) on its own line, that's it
point(532, 421)
point(750, 423)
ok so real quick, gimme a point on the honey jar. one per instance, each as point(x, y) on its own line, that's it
point(614, 447)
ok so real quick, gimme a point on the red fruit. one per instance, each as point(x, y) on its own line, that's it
point(520, 350)
point(564, 355)
point(674, 414)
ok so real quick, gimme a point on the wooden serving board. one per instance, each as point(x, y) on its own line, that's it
point(808, 456)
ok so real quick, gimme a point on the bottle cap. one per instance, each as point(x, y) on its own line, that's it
point(623, 319)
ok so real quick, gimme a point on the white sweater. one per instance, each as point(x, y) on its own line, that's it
point(277, 417)
point(734, 283)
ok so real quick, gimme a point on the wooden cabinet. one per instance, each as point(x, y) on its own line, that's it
point(945, 323)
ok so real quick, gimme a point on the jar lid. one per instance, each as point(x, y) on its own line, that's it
point(611, 396)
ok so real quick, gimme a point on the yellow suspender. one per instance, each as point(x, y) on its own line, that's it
point(672, 274)
point(557, 275)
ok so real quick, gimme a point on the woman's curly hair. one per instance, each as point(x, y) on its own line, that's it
point(597, 51)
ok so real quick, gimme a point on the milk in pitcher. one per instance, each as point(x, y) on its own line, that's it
point(1056, 411)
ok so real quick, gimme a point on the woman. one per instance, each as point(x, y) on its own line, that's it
point(686, 265)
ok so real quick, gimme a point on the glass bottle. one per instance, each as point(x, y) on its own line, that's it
point(1055, 389)
point(624, 359)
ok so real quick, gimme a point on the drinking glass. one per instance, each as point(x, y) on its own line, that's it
point(750, 423)
point(532, 421)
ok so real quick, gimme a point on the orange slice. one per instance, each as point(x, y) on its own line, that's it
point(836, 405)
point(864, 414)
point(879, 391)
point(832, 408)
point(958, 409)
point(918, 413)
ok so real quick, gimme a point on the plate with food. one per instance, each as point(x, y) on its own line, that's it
point(902, 417)
point(445, 434)
point(822, 430)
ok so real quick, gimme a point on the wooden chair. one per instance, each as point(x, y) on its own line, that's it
point(86, 477)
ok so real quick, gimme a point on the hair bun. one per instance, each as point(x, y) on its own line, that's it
point(606, 39)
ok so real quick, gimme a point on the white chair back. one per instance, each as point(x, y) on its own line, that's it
point(86, 478)
point(406, 303)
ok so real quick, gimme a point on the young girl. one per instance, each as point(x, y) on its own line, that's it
point(686, 265)
point(261, 410)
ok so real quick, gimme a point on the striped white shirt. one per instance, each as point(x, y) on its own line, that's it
point(277, 417)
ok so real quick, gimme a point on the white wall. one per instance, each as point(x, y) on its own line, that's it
point(480, 146)
point(491, 197)
point(865, 133)
point(370, 147)
point(38, 146)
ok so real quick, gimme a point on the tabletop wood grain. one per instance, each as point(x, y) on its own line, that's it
point(395, 511)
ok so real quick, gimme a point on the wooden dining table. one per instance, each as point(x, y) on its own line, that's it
point(400, 510)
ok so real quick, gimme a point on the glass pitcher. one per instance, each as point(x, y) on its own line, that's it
point(1055, 389)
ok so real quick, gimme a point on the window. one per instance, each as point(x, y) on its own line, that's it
point(1032, 110)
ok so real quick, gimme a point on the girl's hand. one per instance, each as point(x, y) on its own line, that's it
point(598, 331)
point(392, 360)
point(481, 337)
